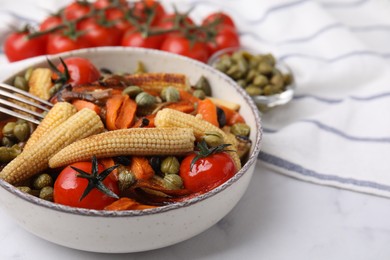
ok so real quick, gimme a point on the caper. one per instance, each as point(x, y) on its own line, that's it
point(55, 88)
point(170, 94)
point(145, 99)
point(42, 180)
point(132, 91)
point(28, 73)
point(24, 189)
point(241, 83)
point(21, 131)
point(204, 85)
point(265, 68)
point(253, 90)
point(8, 129)
point(240, 129)
point(140, 68)
point(170, 165)
point(270, 59)
point(21, 83)
point(125, 178)
point(8, 142)
point(268, 90)
point(260, 80)
point(46, 193)
point(7, 154)
point(199, 94)
point(287, 78)
point(277, 80)
point(173, 182)
point(252, 73)
point(213, 138)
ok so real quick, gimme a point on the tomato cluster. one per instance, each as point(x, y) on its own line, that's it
point(83, 24)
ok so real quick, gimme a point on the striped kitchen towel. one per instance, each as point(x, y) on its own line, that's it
point(336, 130)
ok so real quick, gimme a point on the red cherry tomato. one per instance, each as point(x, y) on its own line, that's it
point(135, 39)
point(18, 47)
point(143, 8)
point(76, 10)
point(50, 22)
point(100, 35)
point(224, 19)
point(118, 17)
point(68, 188)
point(58, 43)
point(168, 21)
point(207, 173)
point(81, 70)
point(226, 37)
point(101, 4)
point(181, 45)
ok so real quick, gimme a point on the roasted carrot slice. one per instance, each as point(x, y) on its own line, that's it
point(208, 110)
point(232, 116)
point(126, 115)
point(113, 105)
point(184, 106)
point(107, 163)
point(127, 204)
point(80, 104)
point(141, 168)
point(185, 95)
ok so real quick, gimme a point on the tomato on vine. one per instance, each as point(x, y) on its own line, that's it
point(145, 9)
point(76, 10)
point(100, 33)
point(59, 42)
point(137, 39)
point(226, 37)
point(221, 18)
point(86, 185)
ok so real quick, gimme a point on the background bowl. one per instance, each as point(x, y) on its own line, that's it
point(132, 231)
point(264, 102)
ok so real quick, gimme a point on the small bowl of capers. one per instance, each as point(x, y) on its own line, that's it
point(268, 81)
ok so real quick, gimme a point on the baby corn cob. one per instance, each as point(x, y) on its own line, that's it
point(172, 118)
point(34, 160)
point(155, 82)
point(40, 83)
point(59, 113)
point(132, 141)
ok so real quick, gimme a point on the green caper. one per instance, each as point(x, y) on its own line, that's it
point(265, 68)
point(199, 94)
point(287, 78)
point(125, 178)
point(252, 73)
point(132, 91)
point(253, 90)
point(145, 99)
point(260, 80)
point(42, 180)
point(270, 59)
point(268, 90)
point(277, 80)
point(173, 181)
point(213, 138)
point(46, 193)
point(28, 73)
point(140, 68)
point(7, 154)
point(21, 83)
point(8, 142)
point(204, 85)
point(8, 129)
point(21, 131)
point(170, 94)
point(170, 165)
point(54, 89)
point(24, 189)
point(240, 129)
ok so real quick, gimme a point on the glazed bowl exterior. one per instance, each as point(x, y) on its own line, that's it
point(133, 231)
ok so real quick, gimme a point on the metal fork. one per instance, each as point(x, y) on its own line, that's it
point(8, 91)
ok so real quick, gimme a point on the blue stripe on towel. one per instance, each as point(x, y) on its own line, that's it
point(340, 100)
point(293, 167)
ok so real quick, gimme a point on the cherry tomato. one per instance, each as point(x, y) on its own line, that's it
point(135, 39)
point(58, 43)
point(119, 17)
point(76, 10)
point(207, 173)
point(50, 22)
point(180, 45)
point(68, 188)
point(226, 37)
point(101, 4)
point(224, 19)
point(18, 47)
point(100, 35)
point(81, 70)
point(143, 8)
point(168, 21)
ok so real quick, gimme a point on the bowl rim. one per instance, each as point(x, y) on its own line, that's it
point(136, 213)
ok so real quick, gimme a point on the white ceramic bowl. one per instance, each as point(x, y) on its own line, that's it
point(132, 231)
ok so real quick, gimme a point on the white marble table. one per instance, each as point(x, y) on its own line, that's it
point(278, 218)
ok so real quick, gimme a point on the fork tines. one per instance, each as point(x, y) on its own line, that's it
point(7, 94)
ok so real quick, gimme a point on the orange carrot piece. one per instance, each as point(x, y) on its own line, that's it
point(141, 168)
point(185, 95)
point(125, 203)
point(184, 106)
point(232, 116)
point(80, 104)
point(140, 122)
point(113, 105)
point(208, 110)
point(126, 115)
point(107, 163)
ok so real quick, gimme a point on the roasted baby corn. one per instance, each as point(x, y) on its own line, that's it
point(35, 159)
point(155, 82)
point(40, 83)
point(58, 114)
point(133, 141)
point(172, 118)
